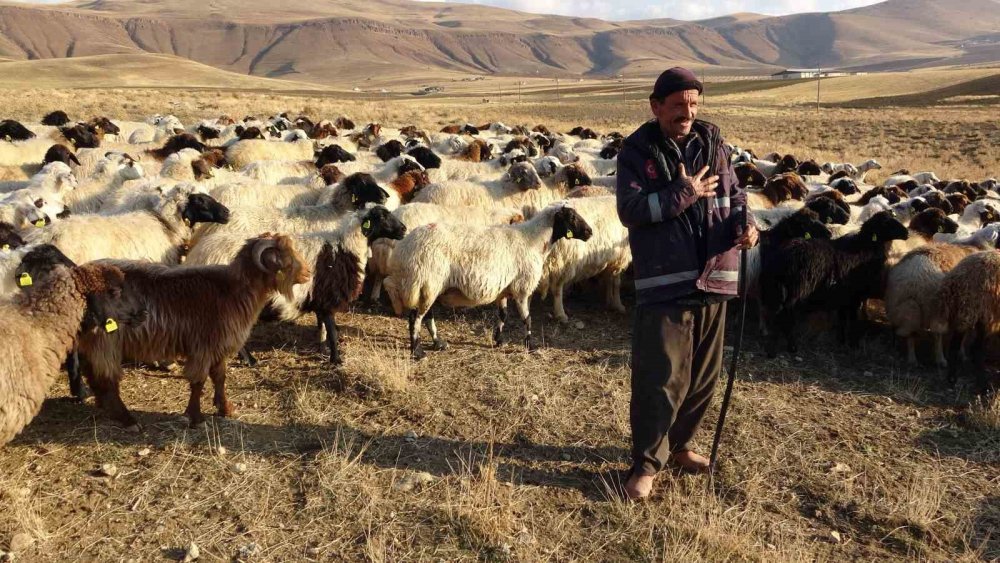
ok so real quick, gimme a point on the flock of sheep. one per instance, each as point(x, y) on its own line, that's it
point(155, 241)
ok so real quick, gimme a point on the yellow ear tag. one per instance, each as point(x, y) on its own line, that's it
point(187, 222)
point(354, 199)
point(40, 223)
point(828, 220)
point(280, 275)
point(24, 280)
point(940, 229)
point(366, 225)
point(874, 238)
point(569, 234)
point(6, 247)
point(110, 326)
point(808, 236)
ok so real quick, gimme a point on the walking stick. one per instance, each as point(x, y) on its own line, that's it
point(736, 354)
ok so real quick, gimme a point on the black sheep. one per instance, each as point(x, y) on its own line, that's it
point(60, 153)
point(815, 274)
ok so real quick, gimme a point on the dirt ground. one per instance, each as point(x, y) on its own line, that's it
point(491, 454)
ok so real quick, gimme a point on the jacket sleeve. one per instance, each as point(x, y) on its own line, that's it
point(637, 205)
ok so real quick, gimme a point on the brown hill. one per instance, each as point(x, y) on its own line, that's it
point(344, 42)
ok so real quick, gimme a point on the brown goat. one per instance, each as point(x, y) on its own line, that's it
point(201, 314)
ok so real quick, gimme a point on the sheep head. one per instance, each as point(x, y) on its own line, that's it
point(931, 221)
point(364, 190)
point(568, 224)
point(524, 176)
point(203, 208)
point(377, 222)
point(882, 228)
point(276, 257)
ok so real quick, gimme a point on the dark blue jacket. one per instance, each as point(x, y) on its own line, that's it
point(671, 257)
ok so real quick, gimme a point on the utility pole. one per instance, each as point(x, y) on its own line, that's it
point(819, 74)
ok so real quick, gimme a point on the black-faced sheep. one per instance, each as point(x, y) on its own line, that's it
point(60, 153)
point(332, 154)
point(56, 118)
point(11, 130)
point(175, 144)
point(465, 266)
point(425, 156)
point(389, 150)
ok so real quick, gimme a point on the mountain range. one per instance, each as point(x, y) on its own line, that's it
point(339, 42)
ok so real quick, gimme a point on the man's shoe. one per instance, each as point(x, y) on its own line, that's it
point(638, 486)
point(689, 461)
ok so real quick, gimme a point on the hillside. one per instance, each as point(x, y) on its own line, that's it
point(335, 42)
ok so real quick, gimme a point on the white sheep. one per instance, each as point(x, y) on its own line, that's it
point(242, 153)
point(920, 177)
point(158, 236)
point(18, 153)
point(606, 254)
point(104, 190)
point(520, 188)
point(415, 215)
point(466, 266)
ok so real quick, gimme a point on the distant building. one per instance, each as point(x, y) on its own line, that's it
point(794, 73)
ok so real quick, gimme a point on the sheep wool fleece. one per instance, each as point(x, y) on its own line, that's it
point(676, 360)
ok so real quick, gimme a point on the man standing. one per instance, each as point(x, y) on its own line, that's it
point(677, 195)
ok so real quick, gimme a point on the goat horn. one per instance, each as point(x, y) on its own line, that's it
point(258, 251)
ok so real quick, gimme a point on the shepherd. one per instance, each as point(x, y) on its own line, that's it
point(678, 196)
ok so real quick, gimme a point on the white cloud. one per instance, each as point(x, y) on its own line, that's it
point(676, 9)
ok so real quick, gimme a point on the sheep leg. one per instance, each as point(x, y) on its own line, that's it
point(939, 357)
point(332, 340)
point(955, 358)
point(247, 358)
point(376, 292)
point(557, 303)
point(108, 397)
point(498, 336)
point(615, 293)
point(193, 411)
point(416, 350)
point(978, 357)
point(222, 405)
point(320, 329)
point(911, 349)
point(524, 309)
point(77, 388)
point(439, 344)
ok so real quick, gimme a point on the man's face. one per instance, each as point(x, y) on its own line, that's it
point(676, 113)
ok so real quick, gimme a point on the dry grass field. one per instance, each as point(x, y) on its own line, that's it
point(495, 454)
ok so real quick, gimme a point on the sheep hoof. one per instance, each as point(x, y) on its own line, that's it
point(133, 429)
point(82, 394)
point(226, 409)
point(195, 420)
point(336, 361)
point(418, 354)
point(439, 346)
point(563, 319)
point(499, 339)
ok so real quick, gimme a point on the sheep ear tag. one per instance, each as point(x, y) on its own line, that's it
point(808, 236)
point(280, 275)
point(6, 247)
point(874, 238)
point(940, 229)
point(110, 326)
point(354, 198)
point(569, 234)
point(40, 223)
point(24, 280)
point(366, 227)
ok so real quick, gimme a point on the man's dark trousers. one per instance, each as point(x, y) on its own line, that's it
point(676, 360)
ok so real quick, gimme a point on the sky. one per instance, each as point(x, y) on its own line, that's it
point(676, 9)
point(652, 9)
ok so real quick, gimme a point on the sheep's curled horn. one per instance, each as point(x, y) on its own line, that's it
point(259, 249)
